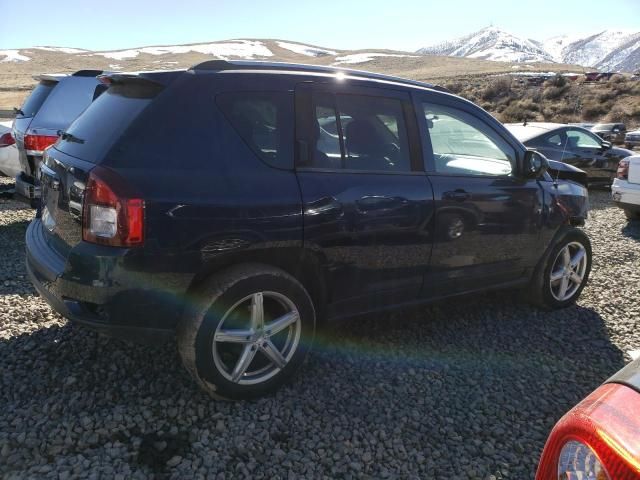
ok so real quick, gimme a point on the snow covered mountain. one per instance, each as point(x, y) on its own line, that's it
point(607, 50)
point(491, 43)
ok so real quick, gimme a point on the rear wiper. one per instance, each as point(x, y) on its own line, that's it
point(17, 111)
point(69, 137)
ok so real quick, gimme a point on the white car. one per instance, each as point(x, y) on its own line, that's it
point(626, 187)
point(9, 161)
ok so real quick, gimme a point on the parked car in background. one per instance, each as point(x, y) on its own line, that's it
point(612, 132)
point(632, 139)
point(588, 126)
point(573, 145)
point(9, 163)
point(625, 190)
point(598, 438)
point(54, 103)
point(316, 193)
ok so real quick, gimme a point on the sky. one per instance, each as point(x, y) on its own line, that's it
point(341, 24)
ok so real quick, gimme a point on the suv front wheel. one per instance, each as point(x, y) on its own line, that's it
point(246, 331)
point(563, 272)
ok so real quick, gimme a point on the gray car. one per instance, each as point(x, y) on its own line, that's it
point(54, 103)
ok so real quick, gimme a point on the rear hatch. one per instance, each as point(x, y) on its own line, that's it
point(26, 114)
point(85, 145)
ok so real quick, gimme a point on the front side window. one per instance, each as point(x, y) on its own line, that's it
point(580, 139)
point(464, 145)
point(358, 132)
point(264, 120)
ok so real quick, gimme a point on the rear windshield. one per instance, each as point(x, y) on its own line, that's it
point(93, 133)
point(34, 101)
point(72, 96)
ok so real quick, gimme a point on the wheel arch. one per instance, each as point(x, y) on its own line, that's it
point(303, 264)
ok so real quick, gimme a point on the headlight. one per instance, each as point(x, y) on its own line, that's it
point(578, 462)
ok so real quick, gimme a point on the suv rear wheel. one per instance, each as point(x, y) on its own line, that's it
point(247, 331)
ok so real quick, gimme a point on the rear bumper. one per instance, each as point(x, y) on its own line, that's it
point(101, 288)
point(625, 194)
point(26, 190)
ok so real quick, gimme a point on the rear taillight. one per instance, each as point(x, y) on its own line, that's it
point(597, 440)
point(35, 144)
point(6, 140)
point(623, 170)
point(111, 213)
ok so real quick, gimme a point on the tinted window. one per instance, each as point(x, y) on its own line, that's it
point(463, 144)
point(66, 102)
point(34, 101)
point(357, 132)
point(555, 140)
point(95, 131)
point(264, 120)
point(580, 139)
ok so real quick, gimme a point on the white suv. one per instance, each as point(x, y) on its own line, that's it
point(626, 187)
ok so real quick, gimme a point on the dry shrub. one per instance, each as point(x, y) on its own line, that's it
point(500, 87)
point(521, 110)
point(455, 87)
point(554, 92)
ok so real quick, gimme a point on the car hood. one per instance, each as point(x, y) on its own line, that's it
point(619, 152)
point(563, 167)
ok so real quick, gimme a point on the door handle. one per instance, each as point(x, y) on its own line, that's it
point(458, 195)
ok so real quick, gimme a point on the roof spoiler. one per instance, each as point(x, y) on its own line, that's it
point(50, 77)
point(222, 65)
point(159, 78)
point(87, 73)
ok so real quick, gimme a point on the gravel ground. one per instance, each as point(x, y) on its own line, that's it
point(462, 389)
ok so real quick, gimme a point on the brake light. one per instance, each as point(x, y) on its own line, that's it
point(6, 140)
point(112, 214)
point(623, 170)
point(35, 144)
point(597, 440)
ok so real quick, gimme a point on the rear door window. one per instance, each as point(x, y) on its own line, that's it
point(34, 101)
point(264, 120)
point(93, 133)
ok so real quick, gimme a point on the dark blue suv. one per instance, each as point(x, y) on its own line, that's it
point(236, 205)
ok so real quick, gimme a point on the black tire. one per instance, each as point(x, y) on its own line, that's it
point(539, 291)
point(209, 307)
point(632, 214)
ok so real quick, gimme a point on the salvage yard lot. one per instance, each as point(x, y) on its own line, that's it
point(460, 389)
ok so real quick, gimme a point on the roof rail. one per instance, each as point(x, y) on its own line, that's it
point(87, 73)
point(220, 65)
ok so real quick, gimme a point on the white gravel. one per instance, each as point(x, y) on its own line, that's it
point(462, 389)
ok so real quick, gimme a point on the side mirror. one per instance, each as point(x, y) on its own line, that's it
point(535, 164)
point(606, 145)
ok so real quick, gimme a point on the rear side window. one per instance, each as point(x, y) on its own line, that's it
point(34, 101)
point(93, 133)
point(67, 101)
point(264, 120)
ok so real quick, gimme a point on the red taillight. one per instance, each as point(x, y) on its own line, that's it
point(623, 170)
point(35, 144)
point(607, 424)
point(6, 140)
point(111, 214)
